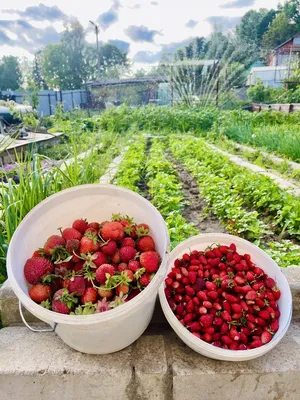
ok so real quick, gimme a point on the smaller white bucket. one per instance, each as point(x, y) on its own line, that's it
point(98, 333)
point(259, 257)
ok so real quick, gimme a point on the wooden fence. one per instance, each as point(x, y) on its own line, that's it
point(285, 108)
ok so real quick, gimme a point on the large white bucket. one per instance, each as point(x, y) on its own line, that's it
point(98, 333)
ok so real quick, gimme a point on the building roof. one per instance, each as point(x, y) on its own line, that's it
point(127, 82)
point(282, 44)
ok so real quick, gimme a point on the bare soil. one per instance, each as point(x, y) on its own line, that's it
point(197, 210)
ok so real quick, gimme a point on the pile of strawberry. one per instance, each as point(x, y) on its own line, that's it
point(223, 298)
point(92, 267)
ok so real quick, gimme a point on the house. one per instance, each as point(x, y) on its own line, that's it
point(285, 54)
point(273, 76)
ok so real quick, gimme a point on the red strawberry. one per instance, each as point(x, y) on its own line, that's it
point(237, 308)
point(122, 289)
point(61, 302)
point(264, 314)
point(145, 279)
point(129, 274)
point(127, 253)
point(94, 225)
point(72, 246)
point(206, 320)
point(134, 265)
point(150, 261)
point(192, 276)
point(100, 258)
point(110, 248)
point(80, 225)
point(90, 230)
point(146, 243)
point(255, 343)
point(76, 285)
point(63, 268)
point(36, 268)
point(89, 244)
point(115, 258)
point(122, 267)
point(102, 271)
point(276, 293)
point(78, 266)
point(269, 283)
point(128, 241)
point(39, 292)
point(71, 233)
point(52, 243)
point(251, 295)
point(274, 325)
point(266, 337)
point(112, 230)
point(38, 253)
point(103, 292)
point(144, 226)
point(90, 295)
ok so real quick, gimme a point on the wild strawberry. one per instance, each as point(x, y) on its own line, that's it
point(202, 295)
point(258, 271)
point(202, 310)
point(70, 234)
point(146, 243)
point(39, 292)
point(89, 244)
point(255, 344)
point(109, 248)
point(217, 306)
point(63, 302)
point(127, 253)
point(195, 326)
point(266, 337)
point(251, 295)
point(134, 265)
point(230, 298)
point(190, 307)
point(226, 340)
point(122, 267)
point(145, 280)
point(90, 295)
point(250, 276)
point(207, 304)
point(72, 246)
point(242, 347)
point(274, 325)
point(223, 249)
point(226, 306)
point(237, 308)
point(78, 268)
point(38, 253)
point(113, 231)
point(80, 225)
point(150, 261)
point(239, 280)
point(232, 247)
point(264, 314)
point(218, 321)
point(226, 316)
point(261, 322)
point(37, 268)
point(276, 293)
point(233, 346)
point(102, 271)
point(192, 275)
point(189, 291)
point(206, 320)
point(234, 334)
point(207, 337)
point(211, 286)
point(224, 328)
point(213, 295)
point(128, 241)
point(53, 242)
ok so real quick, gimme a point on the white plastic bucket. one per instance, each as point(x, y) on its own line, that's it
point(98, 333)
point(259, 257)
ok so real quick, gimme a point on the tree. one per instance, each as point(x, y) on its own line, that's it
point(250, 24)
point(280, 30)
point(292, 10)
point(10, 73)
point(113, 62)
point(37, 79)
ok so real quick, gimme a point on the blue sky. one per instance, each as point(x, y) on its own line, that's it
point(144, 28)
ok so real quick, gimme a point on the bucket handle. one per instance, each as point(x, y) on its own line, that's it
point(33, 329)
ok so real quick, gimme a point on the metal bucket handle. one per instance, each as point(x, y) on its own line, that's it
point(33, 329)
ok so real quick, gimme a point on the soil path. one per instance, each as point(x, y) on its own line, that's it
point(207, 223)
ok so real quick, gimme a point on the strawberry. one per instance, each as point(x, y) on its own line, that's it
point(122, 289)
point(145, 279)
point(112, 230)
point(53, 242)
point(102, 271)
point(146, 243)
point(109, 248)
point(90, 295)
point(192, 275)
point(237, 308)
point(63, 268)
point(63, 302)
point(36, 268)
point(264, 314)
point(100, 258)
point(251, 295)
point(276, 293)
point(38, 253)
point(39, 292)
point(134, 265)
point(94, 225)
point(266, 337)
point(206, 320)
point(103, 292)
point(71, 233)
point(76, 285)
point(195, 326)
point(115, 258)
point(269, 283)
point(89, 244)
point(274, 325)
point(129, 274)
point(127, 253)
point(122, 267)
point(144, 226)
point(255, 344)
point(80, 225)
point(128, 241)
point(90, 230)
point(72, 246)
point(150, 261)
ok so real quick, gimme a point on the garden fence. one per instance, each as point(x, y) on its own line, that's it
point(285, 108)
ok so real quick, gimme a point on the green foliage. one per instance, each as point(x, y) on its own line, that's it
point(10, 74)
point(280, 30)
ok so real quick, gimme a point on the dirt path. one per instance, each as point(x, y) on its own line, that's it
point(207, 223)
